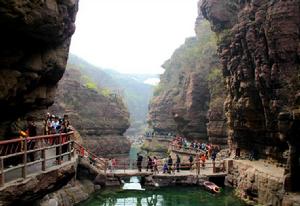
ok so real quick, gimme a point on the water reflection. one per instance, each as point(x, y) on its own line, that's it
point(133, 184)
point(173, 196)
point(153, 200)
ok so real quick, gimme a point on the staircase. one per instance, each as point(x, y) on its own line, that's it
point(99, 163)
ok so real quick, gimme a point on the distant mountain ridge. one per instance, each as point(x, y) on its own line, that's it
point(131, 87)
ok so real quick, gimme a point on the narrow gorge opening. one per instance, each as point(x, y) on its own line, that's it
point(174, 80)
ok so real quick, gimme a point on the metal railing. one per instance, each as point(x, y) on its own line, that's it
point(99, 162)
point(123, 166)
point(188, 150)
point(31, 155)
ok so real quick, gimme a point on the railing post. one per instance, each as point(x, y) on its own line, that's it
point(124, 166)
point(44, 160)
point(59, 149)
point(214, 166)
point(2, 172)
point(24, 172)
point(105, 167)
point(69, 150)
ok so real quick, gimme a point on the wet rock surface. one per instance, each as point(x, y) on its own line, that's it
point(35, 38)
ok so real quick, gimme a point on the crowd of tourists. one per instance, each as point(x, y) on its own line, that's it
point(53, 124)
point(167, 165)
point(210, 150)
point(170, 165)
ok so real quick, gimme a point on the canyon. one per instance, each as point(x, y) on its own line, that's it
point(101, 119)
point(235, 84)
point(188, 99)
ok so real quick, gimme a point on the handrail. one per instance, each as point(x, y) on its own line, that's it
point(100, 160)
point(23, 148)
point(175, 148)
point(127, 165)
point(34, 138)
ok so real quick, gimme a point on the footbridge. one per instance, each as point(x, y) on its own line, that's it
point(21, 158)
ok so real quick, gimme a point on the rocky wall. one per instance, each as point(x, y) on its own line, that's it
point(189, 99)
point(35, 38)
point(259, 52)
point(35, 187)
point(256, 183)
point(100, 119)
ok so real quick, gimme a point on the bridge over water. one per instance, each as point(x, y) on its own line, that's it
point(53, 152)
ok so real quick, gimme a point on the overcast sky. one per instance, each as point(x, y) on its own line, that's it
point(132, 36)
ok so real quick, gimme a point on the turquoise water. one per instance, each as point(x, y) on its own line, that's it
point(169, 196)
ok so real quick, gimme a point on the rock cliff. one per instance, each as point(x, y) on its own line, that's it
point(99, 118)
point(190, 93)
point(34, 38)
point(259, 51)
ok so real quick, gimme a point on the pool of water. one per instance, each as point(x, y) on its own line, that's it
point(168, 196)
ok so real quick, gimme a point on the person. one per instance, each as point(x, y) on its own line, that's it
point(191, 159)
point(92, 159)
point(65, 128)
point(155, 164)
point(15, 130)
point(56, 125)
point(47, 124)
point(237, 153)
point(149, 164)
point(198, 164)
point(110, 165)
point(177, 162)
point(31, 132)
point(165, 167)
point(65, 125)
point(214, 155)
point(114, 164)
point(139, 162)
point(170, 163)
point(203, 159)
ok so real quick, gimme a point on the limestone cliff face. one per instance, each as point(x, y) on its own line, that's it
point(184, 102)
point(101, 120)
point(180, 102)
point(259, 50)
point(34, 38)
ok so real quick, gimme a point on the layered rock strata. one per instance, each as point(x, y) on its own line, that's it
point(181, 103)
point(35, 38)
point(256, 182)
point(259, 51)
point(189, 98)
point(100, 120)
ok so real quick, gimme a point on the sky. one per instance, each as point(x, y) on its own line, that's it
point(132, 36)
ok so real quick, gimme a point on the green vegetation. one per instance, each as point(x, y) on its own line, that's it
point(224, 37)
point(127, 87)
point(105, 92)
point(215, 81)
point(197, 54)
point(157, 90)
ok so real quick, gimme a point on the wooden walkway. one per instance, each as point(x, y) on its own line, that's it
point(24, 157)
point(51, 151)
point(133, 172)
